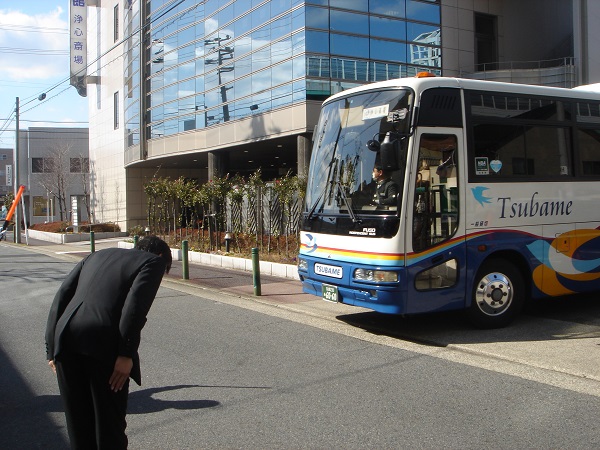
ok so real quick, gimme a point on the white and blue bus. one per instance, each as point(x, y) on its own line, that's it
point(498, 197)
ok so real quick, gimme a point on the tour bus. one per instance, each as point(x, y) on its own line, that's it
point(497, 197)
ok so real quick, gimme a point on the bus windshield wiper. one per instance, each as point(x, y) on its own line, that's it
point(315, 204)
point(347, 202)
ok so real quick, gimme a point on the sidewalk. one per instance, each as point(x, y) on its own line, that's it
point(273, 289)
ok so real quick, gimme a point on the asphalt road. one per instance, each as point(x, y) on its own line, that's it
point(226, 371)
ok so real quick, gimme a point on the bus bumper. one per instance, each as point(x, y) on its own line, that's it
point(383, 301)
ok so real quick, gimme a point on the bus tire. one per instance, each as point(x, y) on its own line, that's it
point(498, 294)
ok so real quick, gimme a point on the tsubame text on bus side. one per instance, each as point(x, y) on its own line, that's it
point(533, 208)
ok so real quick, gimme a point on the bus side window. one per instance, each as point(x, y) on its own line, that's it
point(435, 208)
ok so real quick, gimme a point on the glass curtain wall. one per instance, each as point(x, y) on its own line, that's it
point(213, 61)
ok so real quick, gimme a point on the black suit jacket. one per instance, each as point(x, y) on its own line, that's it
point(101, 307)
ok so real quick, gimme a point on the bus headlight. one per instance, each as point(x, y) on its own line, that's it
point(302, 265)
point(375, 275)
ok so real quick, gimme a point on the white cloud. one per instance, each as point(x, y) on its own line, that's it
point(20, 32)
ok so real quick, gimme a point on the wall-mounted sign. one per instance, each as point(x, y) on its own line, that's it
point(78, 44)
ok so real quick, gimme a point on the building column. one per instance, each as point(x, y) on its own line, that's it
point(304, 151)
point(217, 165)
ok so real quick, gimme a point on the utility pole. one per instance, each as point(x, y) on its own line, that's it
point(17, 227)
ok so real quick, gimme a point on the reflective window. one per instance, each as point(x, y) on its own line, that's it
point(281, 50)
point(299, 67)
point(279, 6)
point(298, 19)
point(393, 8)
point(298, 43)
point(282, 73)
point(349, 22)
point(426, 34)
point(241, 7)
point(388, 28)
point(281, 95)
point(425, 12)
point(317, 41)
point(281, 27)
point(358, 5)
point(588, 144)
point(317, 18)
point(349, 45)
point(242, 24)
point(261, 15)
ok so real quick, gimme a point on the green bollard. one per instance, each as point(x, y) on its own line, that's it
point(92, 242)
point(184, 260)
point(255, 271)
point(136, 239)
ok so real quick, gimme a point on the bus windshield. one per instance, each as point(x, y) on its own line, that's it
point(355, 135)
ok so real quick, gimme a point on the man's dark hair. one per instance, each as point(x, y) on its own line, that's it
point(156, 245)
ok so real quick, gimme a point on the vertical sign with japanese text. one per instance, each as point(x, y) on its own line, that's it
point(78, 43)
point(9, 175)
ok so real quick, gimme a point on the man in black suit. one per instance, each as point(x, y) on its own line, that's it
point(93, 333)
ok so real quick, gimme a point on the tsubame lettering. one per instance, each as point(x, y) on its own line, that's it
point(533, 208)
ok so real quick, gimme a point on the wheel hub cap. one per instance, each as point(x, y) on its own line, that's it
point(494, 294)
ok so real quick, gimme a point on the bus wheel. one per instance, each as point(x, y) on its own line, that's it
point(498, 295)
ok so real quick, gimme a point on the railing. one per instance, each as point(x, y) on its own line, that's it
point(560, 72)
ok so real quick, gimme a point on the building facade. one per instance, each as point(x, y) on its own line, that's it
point(204, 88)
point(55, 169)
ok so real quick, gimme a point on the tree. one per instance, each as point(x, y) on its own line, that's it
point(54, 174)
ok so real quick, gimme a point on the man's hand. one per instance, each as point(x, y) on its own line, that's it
point(52, 365)
point(123, 366)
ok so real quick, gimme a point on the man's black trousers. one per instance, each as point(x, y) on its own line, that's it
point(95, 414)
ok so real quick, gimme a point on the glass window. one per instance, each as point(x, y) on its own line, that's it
point(317, 18)
point(424, 12)
point(298, 42)
point(281, 27)
point(281, 50)
point(349, 45)
point(242, 24)
point(79, 165)
point(260, 37)
point(504, 151)
point(388, 28)
point(502, 105)
point(588, 144)
point(243, 87)
point(357, 5)
point(241, 7)
point(435, 203)
point(388, 50)
point(588, 112)
point(243, 66)
point(424, 34)
point(298, 67)
point(317, 41)
point(392, 8)
point(243, 45)
point(279, 6)
point(225, 15)
point(281, 95)
point(261, 15)
point(298, 19)
point(282, 73)
point(299, 91)
point(261, 59)
point(349, 22)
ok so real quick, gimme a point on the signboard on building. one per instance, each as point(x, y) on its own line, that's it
point(78, 44)
point(9, 180)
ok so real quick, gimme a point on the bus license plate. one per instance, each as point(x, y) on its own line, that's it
point(330, 293)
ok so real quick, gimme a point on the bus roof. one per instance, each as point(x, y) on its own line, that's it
point(421, 84)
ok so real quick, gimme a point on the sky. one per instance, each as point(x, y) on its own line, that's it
point(34, 59)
